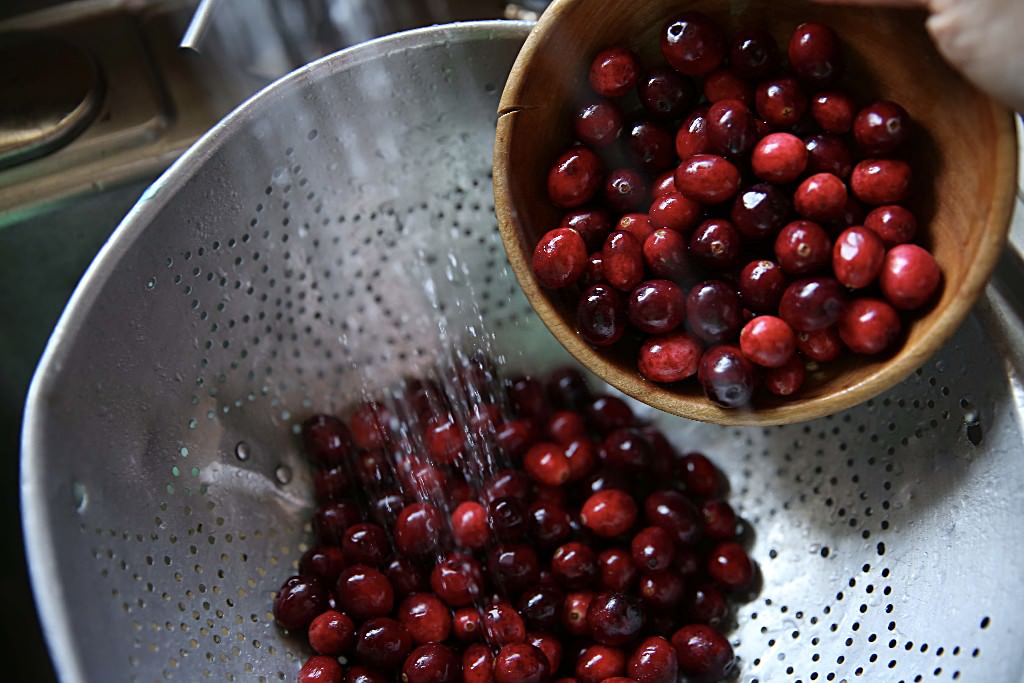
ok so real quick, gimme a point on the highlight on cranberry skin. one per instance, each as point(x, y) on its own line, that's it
point(559, 258)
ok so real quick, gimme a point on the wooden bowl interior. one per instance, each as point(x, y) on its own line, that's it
point(963, 154)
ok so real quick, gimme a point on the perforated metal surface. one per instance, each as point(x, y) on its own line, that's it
point(291, 262)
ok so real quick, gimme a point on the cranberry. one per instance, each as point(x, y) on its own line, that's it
point(369, 424)
point(549, 645)
point(731, 128)
point(617, 570)
point(374, 469)
point(760, 286)
point(364, 592)
point(662, 591)
point(362, 674)
point(727, 376)
point(559, 258)
point(812, 303)
point(432, 663)
point(521, 663)
point(626, 449)
point(760, 211)
point(615, 618)
point(469, 525)
point(330, 484)
point(828, 154)
point(893, 224)
point(477, 664)
point(815, 54)
point(652, 146)
point(707, 605)
point(669, 358)
point(601, 316)
point(665, 255)
point(687, 563)
point(506, 518)
point(574, 178)
point(513, 567)
point(693, 44)
point(598, 123)
point(608, 413)
point(542, 607)
point(700, 476)
point(719, 520)
point(707, 178)
point(574, 565)
point(779, 158)
point(547, 464)
point(730, 566)
point(674, 211)
point(821, 197)
point(881, 128)
point(910, 276)
point(466, 625)
point(833, 111)
point(383, 644)
point(324, 562)
point(692, 136)
point(623, 261)
point(568, 389)
point(703, 652)
point(625, 190)
point(299, 600)
point(821, 346)
point(713, 311)
point(664, 183)
point(528, 397)
point(609, 513)
point(593, 225)
point(784, 380)
point(513, 436)
point(457, 579)
point(613, 72)
point(599, 663)
point(726, 84)
point(581, 457)
point(326, 440)
point(753, 54)
point(768, 341)
point(320, 669)
point(665, 94)
point(366, 544)
point(502, 624)
point(549, 523)
point(880, 181)
point(593, 274)
point(716, 244)
point(425, 617)
point(656, 306)
point(331, 520)
point(674, 513)
point(419, 530)
point(653, 661)
point(653, 549)
point(419, 478)
point(405, 577)
point(781, 102)
point(853, 214)
point(869, 326)
point(857, 257)
point(636, 224)
point(574, 612)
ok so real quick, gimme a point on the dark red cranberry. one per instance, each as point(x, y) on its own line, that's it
point(366, 544)
point(833, 111)
point(781, 102)
point(432, 663)
point(803, 247)
point(700, 476)
point(812, 303)
point(593, 225)
point(609, 513)
point(477, 664)
point(574, 612)
point(507, 484)
point(707, 604)
point(760, 211)
point(779, 158)
point(520, 663)
point(383, 644)
point(821, 197)
point(617, 570)
point(661, 591)
point(582, 458)
point(321, 669)
point(625, 190)
point(608, 413)
point(869, 326)
point(598, 123)
point(716, 244)
point(894, 224)
point(623, 261)
point(656, 306)
point(687, 563)
point(674, 211)
point(665, 94)
point(881, 128)
point(419, 530)
point(853, 214)
point(599, 663)
point(604, 479)
point(467, 625)
point(910, 276)
point(665, 255)
point(513, 567)
point(636, 224)
point(768, 341)
point(549, 524)
point(692, 136)
point(731, 128)
point(815, 54)
point(673, 512)
point(549, 645)
point(330, 484)
point(324, 562)
point(753, 54)
point(528, 398)
point(669, 358)
point(726, 84)
point(703, 652)
point(469, 525)
point(761, 285)
point(828, 154)
point(331, 520)
point(299, 600)
point(424, 396)
point(707, 178)
point(405, 577)
point(653, 549)
point(364, 592)
point(664, 183)
point(693, 44)
point(369, 424)
point(419, 477)
point(513, 436)
point(626, 449)
point(601, 315)
point(820, 346)
point(425, 617)
point(559, 258)
point(653, 661)
point(713, 311)
point(326, 440)
point(502, 624)
point(880, 181)
point(615, 618)
point(362, 674)
point(652, 146)
point(727, 376)
point(719, 520)
point(374, 470)
point(574, 178)
point(730, 566)
point(857, 257)
point(613, 72)
point(457, 579)
point(785, 380)
point(568, 389)
point(541, 607)
point(506, 518)
point(574, 566)
point(593, 274)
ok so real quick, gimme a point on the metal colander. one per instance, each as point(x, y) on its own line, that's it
point(296, 258)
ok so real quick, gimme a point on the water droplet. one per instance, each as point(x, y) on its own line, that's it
point(80, 496)
point(242, 451)
point(283, 473)
point(151, 283)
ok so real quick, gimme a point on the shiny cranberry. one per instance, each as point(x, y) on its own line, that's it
point(598, 123)
point(383, 644)
point(330, 484)
point(623, 261)
point(326, 440)
point(369, 425)
point(331, 520)
point(362, 674)
point(661, 591)
point(781, 102)
point(753, 54)
point(477, 664)
point(593, 274)
point(457, 579)
point(815, 54)
point(669, 358)
point(656, 306)
point(541, 607)
point(608, 413)
point(419, 477)
point(833, 111)
point(405, 577)
point(320, 669)
point(703, 652)
point(614, 72)
point(653, 661)
point(299, 600)
point(760, 211)
point(513, 567)
point(425, 617)
point(652, 146)
point(466, 625)
point(547, 464)
point(731, 128)
point(513, 436)
point(726, 84)
point(574, 566)
point(730, 566)
point(364, 592)
point(880, 181)
point(528, 397)
point(625, 191)
point(636, 224)
point(599, 663)
point(727, 376)
point(664, 183)
point(768, 341)
point(821, 197)
point(665, 255)
point(626, 449)
point(601, 315)
point(374, 469)
point(506, 518)
point(605, 479)
point(779, 158)
point(419, 530)
point(673, 512)
point(692, 136)
point(469, 525)
point(574, 612)
point(366, 544)
point(507, 484)
point(707, 605)
point(559, 258)
point(593, 225)
point(828, 154)
point(568, 389)
point(881, 128)
point(716, 244)
point(617, 570)
point(502, 624)
point(324, 562)
point(893, 224)
point(719, 520)
point(707, 178)
point(821, 346)
point(521, 663)
point(785, 380)
point(582, 458)
point(674, 211)
point(713, 311)
point(432, 663)
point(869, 326)
point(693, 44)
point(549, 523)
point(615, 618)
point(812, 303)
point(910, 276)
point(574, 178)
point(652, 549)
point(665, 94)
point(609, 513)
point(857, 257)
point(700, 476)
point(761, 285)
point(549, 645)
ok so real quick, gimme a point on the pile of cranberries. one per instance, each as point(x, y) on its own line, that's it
point(736, 217)
point(524, 532)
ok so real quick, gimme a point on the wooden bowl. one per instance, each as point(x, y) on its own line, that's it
point(964, 155)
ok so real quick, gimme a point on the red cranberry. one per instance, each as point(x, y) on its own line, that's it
point(674, 211)
point(893, 224)
point(828, 154)
point(617, 570)
point(636, 224)
point(598, 123)
point(662, 591)
point(581, 457)
point(593, 274)
point(760, 211)
point(506, 518)
point(768, 341)
point(574, 565)
point(781, 102)
point(330, 484)
point(457, 579)
point(880, 181)
point(374, 469)
point(785, 380)
point(608, 413)
point(833, 111)
point(601, 316)
point(692, 136)
point(362, 674)
point(513, 567)
point(726, 84)
point(559, 258)
point(615, 618)
point(719, 520)
point(507, 484)
point(419, 530)
point(653, 661)
point(502, 624)
point(299, 600)
point(520, 663)
point(425, 617)
point(626, 449)
point(513, 436)
point(466, 625)
point(815, 54)
point(664, 183)
point(547, 464)
point(665, 94)
point(669, 358)
point(598, 663)
point(716, 244)
point(369, 424)
point(881, 128)
point(549, 645)
point(574, 178)
point(364, 592)
point(753, 54)
point(726, 376)
point(320, 669)
point(760, 286)
point(857, 257)
point(477, 664)
point(703, 652)
point(593, 225)
point(821, 197)
point(383, 644)
point(528, 398)
point(812, 303)
point(542, 608)
point(574, 612)
point(652, 549)
point(432, 663)
point(779, 158)
point(568, 389)
point(613, 72)
point(609, 513)
point(853, 214)
point(652, 146)
point(707, 605)
point(331, 520)
point(700, 476)
point(730, 566)
point(656, 306)
point(910, 276)
point(405, 577)
point(693, 44)
point(419, 478)
point(707, 178)
point(869, 326)
point(366, 544)
point(623, 261)
point(324, 562)
point(731, 128)
point(674, 513)
point(821, 346)
point(665, 255)
point(469, 525)
point(625, 191)
point(713, 311)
